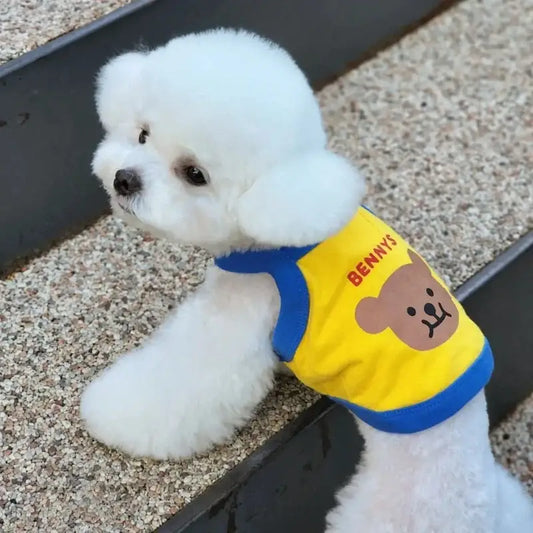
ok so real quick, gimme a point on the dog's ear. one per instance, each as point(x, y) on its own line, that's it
point(117, 87)
point(301, 201)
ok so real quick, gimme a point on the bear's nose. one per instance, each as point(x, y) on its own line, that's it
point(429, 309)
point(127, 182)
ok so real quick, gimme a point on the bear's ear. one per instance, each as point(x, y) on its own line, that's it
point(369, 316)
point(301, 201)
point(417, 261)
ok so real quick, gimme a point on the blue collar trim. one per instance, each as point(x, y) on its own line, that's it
point(256, 261)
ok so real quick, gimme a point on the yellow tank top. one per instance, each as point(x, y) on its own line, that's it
point(366, 321)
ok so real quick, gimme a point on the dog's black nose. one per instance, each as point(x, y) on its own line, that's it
point(127, 182)
point(430, 310)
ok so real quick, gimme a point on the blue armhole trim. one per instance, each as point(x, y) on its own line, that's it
point(294, 295)
point(435, 410)
point(293, 313)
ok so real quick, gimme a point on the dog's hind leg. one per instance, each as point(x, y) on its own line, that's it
point(515, 506)
point(441, 480)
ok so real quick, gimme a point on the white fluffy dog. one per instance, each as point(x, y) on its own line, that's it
point(216, 140)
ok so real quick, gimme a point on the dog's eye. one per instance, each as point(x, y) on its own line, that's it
point(411, 311)
point(195, 176)
point(142, 136)
point(429, 292)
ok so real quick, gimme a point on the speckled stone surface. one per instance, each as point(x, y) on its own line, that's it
point(27, 24)
point(442, 126)
point(439, 124)
point(64, 318)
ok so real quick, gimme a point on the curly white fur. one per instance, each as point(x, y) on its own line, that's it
point(239, 108)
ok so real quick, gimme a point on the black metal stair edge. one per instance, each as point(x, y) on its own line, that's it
point(493, 268)
point(288, 484)
point(71, 37)
point(48, 125)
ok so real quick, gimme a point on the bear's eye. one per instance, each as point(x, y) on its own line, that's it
point(429, 292)
point(195, 176)
point(142, 136)
point(411, 311)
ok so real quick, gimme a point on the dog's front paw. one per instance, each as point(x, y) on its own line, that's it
point(144, 410)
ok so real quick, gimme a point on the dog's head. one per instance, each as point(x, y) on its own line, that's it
point(216, 140)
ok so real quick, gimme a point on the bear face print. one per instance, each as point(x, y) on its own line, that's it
point(417, 308)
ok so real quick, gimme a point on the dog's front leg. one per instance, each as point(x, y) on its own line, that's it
point(197, 379)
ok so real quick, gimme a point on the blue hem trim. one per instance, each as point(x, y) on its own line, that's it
point(294, 296)
point(435, 410)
